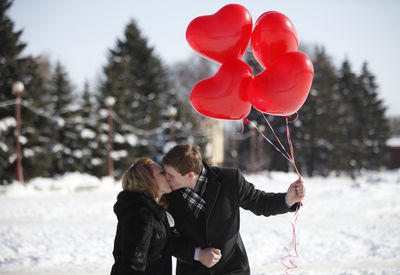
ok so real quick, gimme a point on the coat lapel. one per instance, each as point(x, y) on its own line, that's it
point(182, 205)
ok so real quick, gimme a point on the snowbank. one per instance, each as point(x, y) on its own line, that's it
point(66, 226)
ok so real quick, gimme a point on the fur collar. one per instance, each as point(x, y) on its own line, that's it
point(129, 200)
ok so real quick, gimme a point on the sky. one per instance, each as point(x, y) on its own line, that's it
point(79, 33)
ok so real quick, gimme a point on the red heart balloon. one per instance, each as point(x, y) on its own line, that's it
point(224, 95)
point(222, 36)
point(282, 88)
point(273, 36)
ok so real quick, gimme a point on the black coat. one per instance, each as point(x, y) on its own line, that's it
point(227, 191)
point(140, 245)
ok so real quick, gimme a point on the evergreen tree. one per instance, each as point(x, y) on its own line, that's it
point(183, 76)
point(37, 128)
point(317, 129)
point(394, 123)
point(10, 71)
point(376, 128)
point(352, 111)
point(67, 114)
point(14, 66)
point(91, 152)
point(135, 77)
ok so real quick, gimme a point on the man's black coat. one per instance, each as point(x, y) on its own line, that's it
point(227, 191)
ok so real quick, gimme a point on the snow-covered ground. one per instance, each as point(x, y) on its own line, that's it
point(66, 226)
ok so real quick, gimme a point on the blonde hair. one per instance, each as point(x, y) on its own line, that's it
point(139, 178)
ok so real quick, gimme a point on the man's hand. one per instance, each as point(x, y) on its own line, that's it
point(209, 256)
point(295, 192)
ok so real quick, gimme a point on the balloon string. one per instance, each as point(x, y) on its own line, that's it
point(270, 142)
point(290, 257)
point(291, 145)
point(292, 121)
point(244, 121)
point(287, 156)
point(290, 157)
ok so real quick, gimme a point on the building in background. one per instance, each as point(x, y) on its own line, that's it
point(214, 151)
point(393, 145)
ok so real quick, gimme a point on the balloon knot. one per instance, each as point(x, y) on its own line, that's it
point(292, 121)
point(246, 120)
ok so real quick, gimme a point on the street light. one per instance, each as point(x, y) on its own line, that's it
point(171, 113)
point(17, 90)
point(109, 102)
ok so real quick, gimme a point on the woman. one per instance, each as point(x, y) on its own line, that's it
point(144, 242)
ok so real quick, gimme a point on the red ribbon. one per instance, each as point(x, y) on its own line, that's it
point(286, 261)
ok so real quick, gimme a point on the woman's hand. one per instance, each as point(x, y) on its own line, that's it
point(209, 256)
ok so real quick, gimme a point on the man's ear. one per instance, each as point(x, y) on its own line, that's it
point(191, 175)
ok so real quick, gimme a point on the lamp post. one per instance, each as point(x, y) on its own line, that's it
point(17, 90)
point(109, 102)
point(171, 112)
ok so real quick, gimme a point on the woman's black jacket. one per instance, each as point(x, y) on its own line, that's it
point(143, 242)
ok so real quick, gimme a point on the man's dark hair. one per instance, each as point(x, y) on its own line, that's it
point(185, 159)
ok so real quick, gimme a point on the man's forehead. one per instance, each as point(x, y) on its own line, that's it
point(170, 168)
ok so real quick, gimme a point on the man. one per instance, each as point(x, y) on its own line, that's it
point(205, 205)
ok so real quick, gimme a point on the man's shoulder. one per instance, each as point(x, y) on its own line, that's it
point(225, 170)
point(222, 170)
point(224, 173)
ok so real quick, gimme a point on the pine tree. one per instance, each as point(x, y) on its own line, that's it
point(182, 78)
point(91, 152)
point(352, 112)
point(317, 130)
point(37, 129)
point(66, 113)
point(135, 77)
point(376, 128)
point(14, 66)
point(394, 125)
point(10, 60)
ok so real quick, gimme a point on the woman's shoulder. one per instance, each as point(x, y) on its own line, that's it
point(136, 203)
point(128, 201)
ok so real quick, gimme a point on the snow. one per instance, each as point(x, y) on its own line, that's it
point(118, 138)
point(88, 134)
point(3, 147)
point(6, 123)
point(132, 139)
point(66, 225)
point(118, 154)
point(393, 142)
